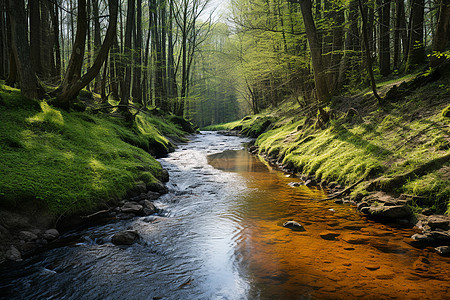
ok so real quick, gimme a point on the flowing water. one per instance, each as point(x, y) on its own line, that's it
point(220, 236)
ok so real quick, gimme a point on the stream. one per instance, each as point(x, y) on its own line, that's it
point(219, 235)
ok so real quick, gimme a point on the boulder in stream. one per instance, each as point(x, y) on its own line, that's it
point(294, 226)
point(126, 237)
point(131, 208)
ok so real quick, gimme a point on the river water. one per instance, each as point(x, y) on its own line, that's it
point(220, 236)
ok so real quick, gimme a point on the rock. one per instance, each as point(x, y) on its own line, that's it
point(131, 208)
point(157, 187)
point(139, 187)
point(441, 236)
point(164, 175)
point(436, 221)
point(27, 236)
point(13, 254)
point(329, 236)
point(443, 250)
point(294, 226)
point(51, 234)
point(126, 237)
point(389, 212)
point(149, 207)
point(422, 238)
point(372, 267)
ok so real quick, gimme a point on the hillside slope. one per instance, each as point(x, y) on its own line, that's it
point(400, 147)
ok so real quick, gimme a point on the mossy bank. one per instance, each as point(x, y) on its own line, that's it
point(400, 147)
point(55, 163)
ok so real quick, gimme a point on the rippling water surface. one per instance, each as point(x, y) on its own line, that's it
point(219, 236)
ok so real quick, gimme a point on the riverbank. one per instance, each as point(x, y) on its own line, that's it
point(396, 155)
point(57, 166)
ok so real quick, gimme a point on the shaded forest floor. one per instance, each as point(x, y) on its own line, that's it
point(400, 147)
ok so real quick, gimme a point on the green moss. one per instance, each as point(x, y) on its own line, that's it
point(71, 162)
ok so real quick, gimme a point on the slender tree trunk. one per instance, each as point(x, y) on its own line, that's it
point(441, 35)
point(35, 35)
point(19, 36)
point(137, 89)
point(368, 55)
point(3, 41)
point(127, 54)
point(416, 53)
point(384, 51)
point(46, 41)
point(73, 83)
point(97, 40)
point(54, 13)
point(322, 92)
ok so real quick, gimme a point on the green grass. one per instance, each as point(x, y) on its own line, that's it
point(72, 162)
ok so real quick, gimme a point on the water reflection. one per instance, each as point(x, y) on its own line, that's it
point(340, 255)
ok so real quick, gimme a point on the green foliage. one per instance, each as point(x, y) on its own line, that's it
point(75, 161)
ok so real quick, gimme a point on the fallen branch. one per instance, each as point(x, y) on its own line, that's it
point(96, 214)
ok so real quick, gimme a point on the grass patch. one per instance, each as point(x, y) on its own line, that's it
point(72, 162)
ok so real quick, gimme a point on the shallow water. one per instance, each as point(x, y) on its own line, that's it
point(220, 236)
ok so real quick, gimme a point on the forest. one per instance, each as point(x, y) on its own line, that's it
point(178, 57)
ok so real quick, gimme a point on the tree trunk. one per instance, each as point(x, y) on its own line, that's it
point(71, 87)
point(441, 35)
point(97, 40)
point(322, 92)
point(384, 51)
point(416, 53)
point(127, 51)
point(35, 35)
point(21, 50)
point(46, 41)
point(54, 13)
point(368, 55)
point(137, 89)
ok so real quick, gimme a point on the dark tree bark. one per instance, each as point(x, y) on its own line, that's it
point(322, 91)
point(172, 84)
point(126, 83)
point(399, 16)
point(97, 39)
point(367, 51)
point(54, 13)
point(137, 89)
point(441, 35)
point(384, 50)
point(73, 82)
point(47, 42)
point(4, 52)
point(35, 35)
point(19, 36)
point(416, 53)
